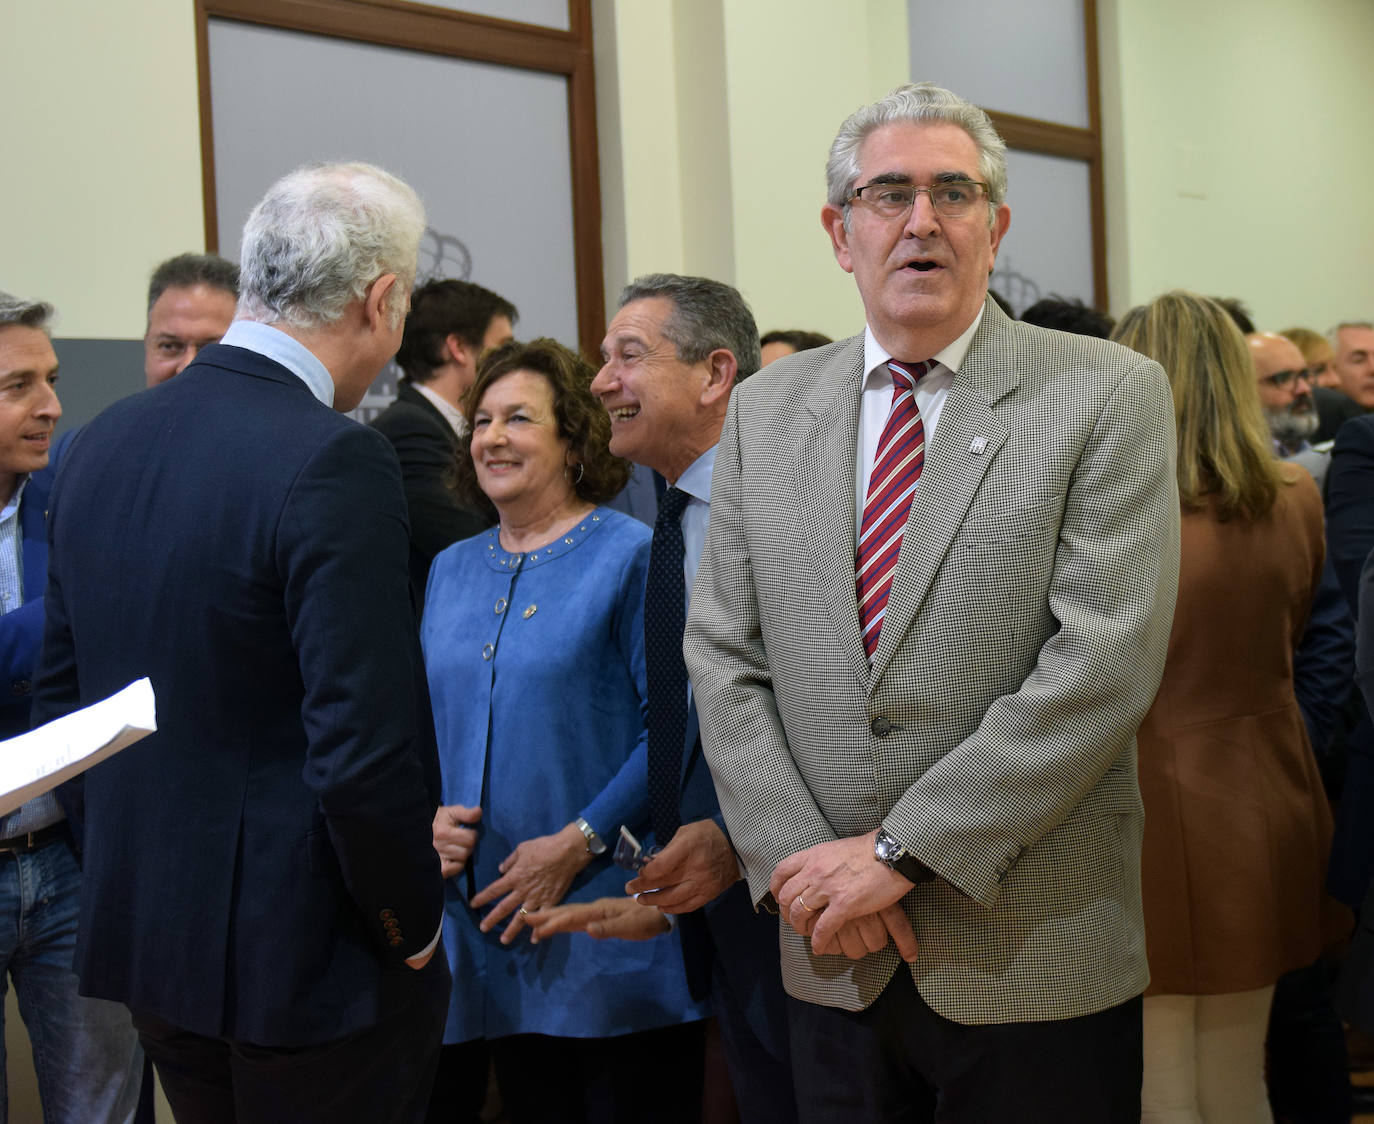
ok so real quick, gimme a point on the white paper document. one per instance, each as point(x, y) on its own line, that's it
point(33, 763)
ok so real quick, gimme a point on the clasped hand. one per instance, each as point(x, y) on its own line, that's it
point(844, 899)
point(536, 874)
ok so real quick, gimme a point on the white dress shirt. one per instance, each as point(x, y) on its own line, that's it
point(875, 403)
point(450, 412)
point(276, 345)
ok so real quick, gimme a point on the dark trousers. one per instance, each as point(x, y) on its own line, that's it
point(650, 1075)
point(900, 1061)
point(750, 1006)
point(1308, 1070)
point(379, 1075)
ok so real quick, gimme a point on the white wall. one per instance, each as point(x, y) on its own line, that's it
point(715, 116)
point(102, 155)
point(1240, 156)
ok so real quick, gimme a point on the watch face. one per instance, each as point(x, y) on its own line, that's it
point(887, 848)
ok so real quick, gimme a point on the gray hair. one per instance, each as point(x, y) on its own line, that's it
point(918, 104)
point(321, 235)
point(27, 314)
point(1333, 337)
point(706, 315)
point(186, 270)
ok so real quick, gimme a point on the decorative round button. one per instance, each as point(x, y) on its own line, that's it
point(530, 611)
point(500, 605)
point(881, 726)
point(488, 651)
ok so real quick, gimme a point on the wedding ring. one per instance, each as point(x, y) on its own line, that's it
point(524, 912)
point(806, 907)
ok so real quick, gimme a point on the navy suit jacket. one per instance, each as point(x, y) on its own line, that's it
point(258, 868)
point(425, 444)
point(1349, 540)
point(727, 937)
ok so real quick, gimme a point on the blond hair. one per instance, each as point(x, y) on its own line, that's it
point(1225, 451)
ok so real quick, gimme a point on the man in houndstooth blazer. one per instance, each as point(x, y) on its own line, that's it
point(988, 748)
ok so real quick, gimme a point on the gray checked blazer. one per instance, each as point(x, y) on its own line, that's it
point(1024, 640)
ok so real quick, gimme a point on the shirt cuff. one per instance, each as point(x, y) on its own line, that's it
point(418, 960)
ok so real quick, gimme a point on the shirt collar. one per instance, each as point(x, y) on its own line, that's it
point(696, 481)
point(276, 345)
point(451, 413)
point(21, 482)
point(951, 356)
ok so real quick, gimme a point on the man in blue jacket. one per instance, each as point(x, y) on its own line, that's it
point(86, 1055)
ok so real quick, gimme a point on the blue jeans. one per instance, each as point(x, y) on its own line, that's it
point(85, 1051)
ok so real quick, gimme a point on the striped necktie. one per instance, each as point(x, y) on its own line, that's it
point(896, 468)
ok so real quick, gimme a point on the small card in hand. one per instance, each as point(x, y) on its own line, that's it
point(629, 853)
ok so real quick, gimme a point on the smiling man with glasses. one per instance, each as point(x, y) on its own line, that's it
point(933, 608)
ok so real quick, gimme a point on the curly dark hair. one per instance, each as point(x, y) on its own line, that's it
point(582, 421)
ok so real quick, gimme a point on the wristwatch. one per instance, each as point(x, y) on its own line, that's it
point(594, 844)
point(896, 857)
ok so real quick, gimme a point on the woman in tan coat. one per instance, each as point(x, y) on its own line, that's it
point(1237, 828)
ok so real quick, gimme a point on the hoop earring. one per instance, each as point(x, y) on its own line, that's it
point(581, 472)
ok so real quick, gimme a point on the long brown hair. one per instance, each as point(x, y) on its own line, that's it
point(1225, 452)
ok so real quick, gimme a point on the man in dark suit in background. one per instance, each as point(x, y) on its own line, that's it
point(260, 884)
point(449, 325)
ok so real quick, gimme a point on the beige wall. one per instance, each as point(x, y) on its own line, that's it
point(1262, 108)
point(715, 116)
point(102, 155)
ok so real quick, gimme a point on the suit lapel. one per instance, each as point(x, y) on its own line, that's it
point(965, 444)
point(825, 474)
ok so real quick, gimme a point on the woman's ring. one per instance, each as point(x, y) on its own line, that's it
point(524, 912)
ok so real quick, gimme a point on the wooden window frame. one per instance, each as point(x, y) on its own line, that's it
point(440, 31)
point(1031, 134)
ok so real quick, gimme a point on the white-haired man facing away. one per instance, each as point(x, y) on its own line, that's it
point(260, 885)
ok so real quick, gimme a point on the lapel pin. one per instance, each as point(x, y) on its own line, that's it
point(978, 444)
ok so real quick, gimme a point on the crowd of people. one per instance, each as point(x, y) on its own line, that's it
point(958, 742)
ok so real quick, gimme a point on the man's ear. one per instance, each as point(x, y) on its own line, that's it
point(376, 300)
point(721, 367)
point(457, 350)
point(832, 218)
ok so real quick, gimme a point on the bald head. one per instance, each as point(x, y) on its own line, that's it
point(1284, 389)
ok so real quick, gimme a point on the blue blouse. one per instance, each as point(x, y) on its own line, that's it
point(536, 672)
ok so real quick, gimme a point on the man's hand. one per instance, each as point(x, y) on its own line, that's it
point(697, 865)
point(841, 896)
point(536, 874)
point(622, 919)
point(452, 840)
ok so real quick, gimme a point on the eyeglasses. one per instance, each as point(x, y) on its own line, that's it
point(952, 200)
point(1280, 379)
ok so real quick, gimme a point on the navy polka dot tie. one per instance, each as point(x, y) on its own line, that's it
point(665, 617)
